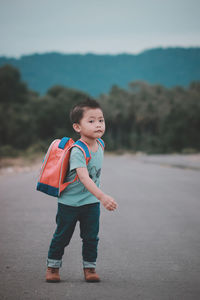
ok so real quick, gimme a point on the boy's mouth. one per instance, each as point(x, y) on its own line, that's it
point(98, 131)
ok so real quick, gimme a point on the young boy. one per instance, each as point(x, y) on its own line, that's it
point(80, 201)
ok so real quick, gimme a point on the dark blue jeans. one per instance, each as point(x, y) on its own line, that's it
point(66, 219)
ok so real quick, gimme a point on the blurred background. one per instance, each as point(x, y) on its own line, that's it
point(139, 59)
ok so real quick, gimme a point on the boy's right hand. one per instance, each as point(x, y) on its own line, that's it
point(108, 202)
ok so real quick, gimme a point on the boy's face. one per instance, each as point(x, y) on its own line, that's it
point(92, 125)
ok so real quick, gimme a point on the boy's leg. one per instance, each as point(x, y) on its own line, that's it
point(66, 219)
point(89, 229)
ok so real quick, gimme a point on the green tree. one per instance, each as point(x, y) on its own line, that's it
point(14, 113)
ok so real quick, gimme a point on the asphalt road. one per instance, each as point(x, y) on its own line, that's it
point(149, 248)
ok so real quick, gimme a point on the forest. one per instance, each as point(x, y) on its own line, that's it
point(143, 117)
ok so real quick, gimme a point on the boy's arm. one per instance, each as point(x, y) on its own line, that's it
point(107, 201)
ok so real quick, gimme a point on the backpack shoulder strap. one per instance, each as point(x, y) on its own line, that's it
point(101, 143)
point(63, 142)
point(84, 148)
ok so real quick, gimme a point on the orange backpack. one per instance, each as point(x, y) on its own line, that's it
point(56, 163)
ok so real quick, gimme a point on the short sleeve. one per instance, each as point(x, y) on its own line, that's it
point(77, 159)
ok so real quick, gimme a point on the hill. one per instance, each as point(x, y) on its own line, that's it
point(96, 74)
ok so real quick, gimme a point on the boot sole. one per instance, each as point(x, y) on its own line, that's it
point(92, 281)
point(52, 281)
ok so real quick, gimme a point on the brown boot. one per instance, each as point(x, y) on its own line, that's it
point(91, 275)
point(52, 275)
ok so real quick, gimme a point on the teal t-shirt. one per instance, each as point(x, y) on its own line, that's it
point(76, 194)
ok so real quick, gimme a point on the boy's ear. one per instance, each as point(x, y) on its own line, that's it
point(76, 127)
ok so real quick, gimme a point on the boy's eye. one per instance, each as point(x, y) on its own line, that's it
point(91, 121)
point(102, 120)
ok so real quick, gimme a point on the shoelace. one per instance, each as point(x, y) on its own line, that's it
point(53, 270)
point(91, 270)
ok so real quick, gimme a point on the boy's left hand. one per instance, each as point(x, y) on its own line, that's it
point(108, 202)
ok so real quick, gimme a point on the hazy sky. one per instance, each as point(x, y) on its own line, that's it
point(98, 26)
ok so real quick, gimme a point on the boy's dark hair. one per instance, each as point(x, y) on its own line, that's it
point(77, 111)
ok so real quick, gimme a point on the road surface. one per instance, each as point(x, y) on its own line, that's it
point(149, 248)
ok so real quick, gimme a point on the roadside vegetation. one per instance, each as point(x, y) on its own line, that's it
point(143, 117)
